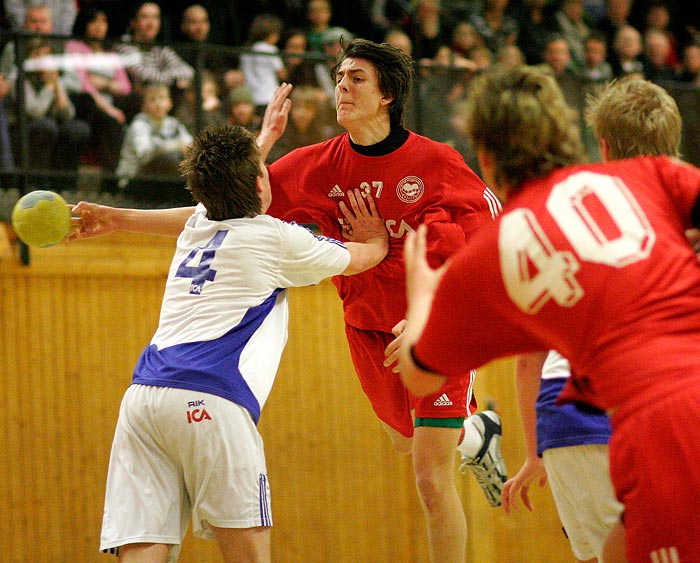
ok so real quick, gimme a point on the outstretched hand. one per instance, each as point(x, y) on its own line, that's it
point(532, 469)
point(92, 220)
point(362, 220)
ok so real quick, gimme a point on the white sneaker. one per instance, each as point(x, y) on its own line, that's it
point(487, 465)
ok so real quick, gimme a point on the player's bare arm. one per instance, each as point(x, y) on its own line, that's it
point(94, 220)
point(274, 120)
point(421, 284)
point(528, 374)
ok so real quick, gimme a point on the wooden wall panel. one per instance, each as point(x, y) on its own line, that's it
point(73, 323)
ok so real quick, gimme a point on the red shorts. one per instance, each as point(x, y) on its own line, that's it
point(388, 396)
point(655, 468)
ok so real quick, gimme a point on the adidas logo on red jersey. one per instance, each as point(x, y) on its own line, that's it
point(336, 192)
point(443, 401)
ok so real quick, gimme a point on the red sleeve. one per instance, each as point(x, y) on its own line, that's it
point(286, 192)
point(460, 210)
point(682, 181)
point(472, 321)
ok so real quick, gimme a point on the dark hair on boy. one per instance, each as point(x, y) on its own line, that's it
point(221, 168)
point(394, 71)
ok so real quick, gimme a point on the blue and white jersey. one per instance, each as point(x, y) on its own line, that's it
point(223, 322)
point(568, 424)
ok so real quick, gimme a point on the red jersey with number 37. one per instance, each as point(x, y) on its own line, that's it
point(423, 181)
point(591, 261)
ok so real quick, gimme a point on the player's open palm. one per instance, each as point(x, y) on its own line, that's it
point(362, 220)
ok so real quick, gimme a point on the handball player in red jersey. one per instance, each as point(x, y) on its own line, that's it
point(592, 261)
point(413, 180)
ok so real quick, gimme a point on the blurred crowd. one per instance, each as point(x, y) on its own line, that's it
point(123, 86)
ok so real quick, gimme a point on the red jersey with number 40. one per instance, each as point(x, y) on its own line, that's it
point(591, 261)
point(421, 182)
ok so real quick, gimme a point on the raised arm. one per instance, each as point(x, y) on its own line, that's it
point(93, 220)
point(528, 375)
point(275, 119)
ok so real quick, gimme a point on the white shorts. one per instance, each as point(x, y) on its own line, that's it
point(579, 477)
point(179, 453)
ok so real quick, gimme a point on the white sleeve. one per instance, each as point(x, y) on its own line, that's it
point(306, 259)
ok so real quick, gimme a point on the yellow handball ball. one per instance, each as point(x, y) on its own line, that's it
point(41, 218)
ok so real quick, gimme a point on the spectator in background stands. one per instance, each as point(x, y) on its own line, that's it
point(426, 28)
point(264, 71)
point(557, 63)
point(495, 26)
point(464, 38)
point(56, 140)
point(212, 112)
point(658, 17)
point(690, 68)
point(146, 62)
point(39, 20)
point(195, 28)
point(398, 38)
point(300, 70)
point(36, 20)
point(63, 14)
point(103, 81)
point(241, 110)
point(627, 50)
point(657, 48)
point(318, 16)
point(42, 89)
point(510, 56)
point(617, 13)
point(569, 22)
point(154, 145)
point(596, 67)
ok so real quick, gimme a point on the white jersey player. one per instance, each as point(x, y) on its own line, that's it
point(186, 443)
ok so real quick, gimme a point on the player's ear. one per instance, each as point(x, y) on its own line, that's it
point(604, 150)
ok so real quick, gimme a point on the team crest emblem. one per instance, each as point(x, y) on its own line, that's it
point(410, 189)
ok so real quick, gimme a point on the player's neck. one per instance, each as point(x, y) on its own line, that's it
point(371, 133)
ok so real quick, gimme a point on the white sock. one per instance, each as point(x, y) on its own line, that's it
point(472, 441)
